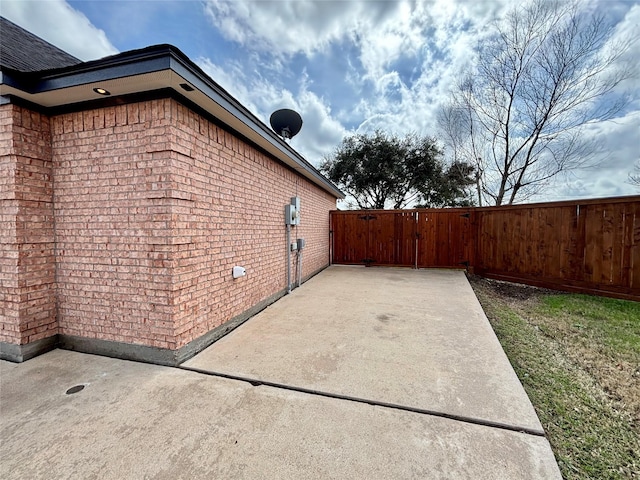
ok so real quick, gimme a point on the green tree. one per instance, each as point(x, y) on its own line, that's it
point(382, 170)
point(452, 188)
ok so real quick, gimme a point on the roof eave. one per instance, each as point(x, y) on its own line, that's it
point(168, 58)
point(202, 81)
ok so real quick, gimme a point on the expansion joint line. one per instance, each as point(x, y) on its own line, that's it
point(434, 413)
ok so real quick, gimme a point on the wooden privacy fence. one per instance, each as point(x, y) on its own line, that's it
point(590, 246)
point(408, 238)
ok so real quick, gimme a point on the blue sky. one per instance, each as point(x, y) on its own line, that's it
point(346, 66)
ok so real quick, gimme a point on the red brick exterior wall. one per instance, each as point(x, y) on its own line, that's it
point(113, 220)
point(153, 206)
point(27, 274)
point(233, 214)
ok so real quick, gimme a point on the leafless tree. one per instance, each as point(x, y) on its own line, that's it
point(458, 131)
point(634, 177)
point(548, 70)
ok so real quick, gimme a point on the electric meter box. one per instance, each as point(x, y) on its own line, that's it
point(295, 201)
point(290, 215)
point(292, 212)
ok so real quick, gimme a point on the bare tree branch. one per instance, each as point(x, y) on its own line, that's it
point(634, 178)
point(549, 69)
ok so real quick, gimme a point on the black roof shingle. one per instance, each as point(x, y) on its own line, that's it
point(22, 51)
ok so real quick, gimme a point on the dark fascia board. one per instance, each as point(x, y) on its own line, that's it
point(11, 79)
point(153, 59)
point(40, 84)
point(148, 60)
point(191, 72)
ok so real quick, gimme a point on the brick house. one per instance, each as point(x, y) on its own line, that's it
point(130, 187)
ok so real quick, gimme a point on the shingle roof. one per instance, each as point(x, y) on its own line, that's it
point(23, 51)
point(38, 72)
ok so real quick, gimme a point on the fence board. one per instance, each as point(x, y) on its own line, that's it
point(635, 250)
point(405, 238)
point(444, 238)
point(350, 239)
point(590, 246)
point(381, 238)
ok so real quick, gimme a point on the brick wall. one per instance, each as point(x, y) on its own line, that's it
point(154, 205)
point(113, 223)
point(234, 215)
point(27, 274)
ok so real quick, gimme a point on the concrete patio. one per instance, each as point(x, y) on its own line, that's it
point(359, 373)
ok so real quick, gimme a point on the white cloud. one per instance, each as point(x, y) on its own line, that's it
point(436, 37)
point(290, 26)
point(626, 31)
point(383, 31)
point(349, 66)
point(61, 25)
point(618, 140)
point(320, 132)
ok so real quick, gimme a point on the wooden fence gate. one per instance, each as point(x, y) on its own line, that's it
point(409, 238)
point(590, 246)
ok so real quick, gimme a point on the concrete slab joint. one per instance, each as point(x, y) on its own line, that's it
point(359, 373)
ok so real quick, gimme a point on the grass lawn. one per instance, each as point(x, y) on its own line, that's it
point(578, 358)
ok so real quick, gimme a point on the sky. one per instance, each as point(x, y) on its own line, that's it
point(346, 66)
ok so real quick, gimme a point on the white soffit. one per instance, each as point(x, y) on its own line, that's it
point(157, 80)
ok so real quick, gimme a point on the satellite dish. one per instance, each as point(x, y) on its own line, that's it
point(286, 123)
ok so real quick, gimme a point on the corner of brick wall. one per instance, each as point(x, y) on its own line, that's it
point(113, 213)
point(27, 278)
point(234, 215)
point(153, 206)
